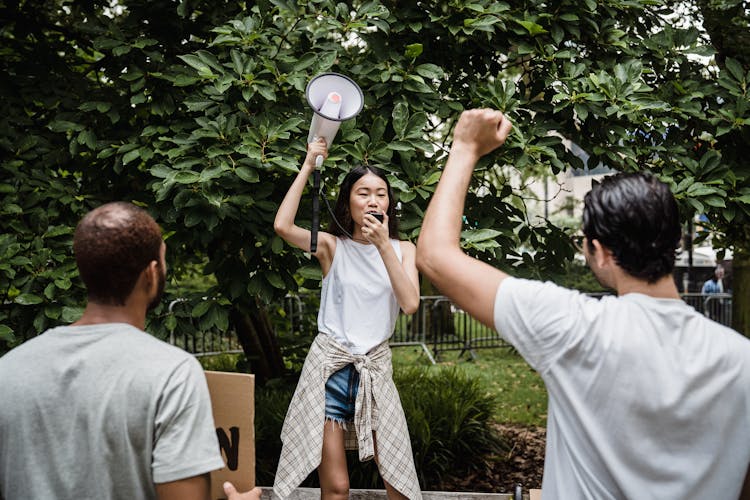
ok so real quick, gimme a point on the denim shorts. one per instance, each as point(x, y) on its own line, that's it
point(341, 393)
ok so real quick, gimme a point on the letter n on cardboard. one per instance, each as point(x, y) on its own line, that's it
point(233, 402)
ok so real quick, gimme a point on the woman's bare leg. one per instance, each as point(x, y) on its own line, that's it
point(332, 471)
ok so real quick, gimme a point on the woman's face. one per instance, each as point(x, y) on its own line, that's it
point(368, 194)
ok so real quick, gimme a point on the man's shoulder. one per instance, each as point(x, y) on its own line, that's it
point(153, 346)
point(513, 283)
point(28, 349)
point(98, 338)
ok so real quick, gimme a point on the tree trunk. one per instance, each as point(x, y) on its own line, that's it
point(438, 319)
point(728, 30)
point(741, 291)
point(259, 341)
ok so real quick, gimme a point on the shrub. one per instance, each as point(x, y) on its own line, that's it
point(448, 415)
point(227, 362)
point(271, 403)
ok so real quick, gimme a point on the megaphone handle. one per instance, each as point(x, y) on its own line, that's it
point(318, 161)
point(315, 209)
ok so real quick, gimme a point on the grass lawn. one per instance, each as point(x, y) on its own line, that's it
point(519, 392)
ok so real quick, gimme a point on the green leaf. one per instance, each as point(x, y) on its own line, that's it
point(71, 314)
point(247, 174)
point(12, 209)
point(413, 50)
point(196, 63)
point(275, 280)
point(311, 272)
point(19, 260)
point(161, 171)
point(130, 156)
point(185, 80)
point(28, 299)
point(400, 146)
point(477, 235)
point(201, 309)
point(121, 50)
point(52, 312)
point(63, 283)
point(715, 201)
point(305, 61)
point(186, 177)
point(6, 334)
point(277, 245)
point(431, 71)
point(64, 126)
point(533, 28)
point(170, 323)
point(326, 59)
point(221, 319)
point(400, 118)
point(433, 178)
point(735, 69)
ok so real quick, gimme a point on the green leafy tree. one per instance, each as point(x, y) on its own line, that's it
point(77, 85)
point(196, 111)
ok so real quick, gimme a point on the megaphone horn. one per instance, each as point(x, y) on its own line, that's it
point(334, 98)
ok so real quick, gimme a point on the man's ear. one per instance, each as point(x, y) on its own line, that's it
point(152, 273)
point(602, 255)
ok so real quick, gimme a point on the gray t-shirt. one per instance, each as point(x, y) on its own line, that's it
point(647, 398)
point(101, 411)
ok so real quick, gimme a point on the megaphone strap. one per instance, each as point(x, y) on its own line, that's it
point(315, 212)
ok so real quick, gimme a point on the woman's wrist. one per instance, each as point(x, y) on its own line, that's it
point(383, 246)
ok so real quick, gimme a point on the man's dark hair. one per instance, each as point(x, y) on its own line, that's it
point(112, 245)
point(341, 210)
point(636, 217)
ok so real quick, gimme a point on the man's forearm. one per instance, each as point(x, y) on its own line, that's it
point(441, 228)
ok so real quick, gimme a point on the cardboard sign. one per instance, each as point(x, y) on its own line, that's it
point(233, 402)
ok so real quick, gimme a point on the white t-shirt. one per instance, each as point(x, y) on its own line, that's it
point(101, 411)
point(648, 399)
point(357, 305)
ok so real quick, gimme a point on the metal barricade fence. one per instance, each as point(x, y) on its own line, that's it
point(438, 325)
point(717, 306)
point(199, 339)
point(445, 327)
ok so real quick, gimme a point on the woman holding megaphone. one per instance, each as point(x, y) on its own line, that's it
point(346, 398)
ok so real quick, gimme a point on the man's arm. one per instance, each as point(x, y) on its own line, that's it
point(191, 488)
point(199, 488)
point(468, 282)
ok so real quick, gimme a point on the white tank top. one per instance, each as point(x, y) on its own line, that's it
point(357, 305)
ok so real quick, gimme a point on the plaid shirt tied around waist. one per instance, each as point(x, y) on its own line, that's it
point(376, 409)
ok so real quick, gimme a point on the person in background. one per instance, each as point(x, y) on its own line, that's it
point(647, 397)
point(714, 307)
point(715, 284)
point(346, 381)
point(100, 409)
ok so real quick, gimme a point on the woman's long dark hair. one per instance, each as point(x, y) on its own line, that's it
point(345, 226)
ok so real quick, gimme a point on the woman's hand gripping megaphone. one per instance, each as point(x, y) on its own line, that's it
point(317, 151)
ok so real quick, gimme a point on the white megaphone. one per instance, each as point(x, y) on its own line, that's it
point(334, 98)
